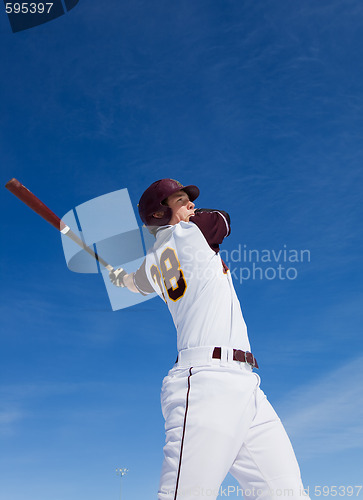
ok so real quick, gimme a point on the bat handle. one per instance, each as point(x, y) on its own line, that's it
point(68, 232)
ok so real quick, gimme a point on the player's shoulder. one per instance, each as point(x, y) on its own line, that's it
point(185, 230)
point(211, 215)
point(163, 236)
point(212, 220)
point(214, 225)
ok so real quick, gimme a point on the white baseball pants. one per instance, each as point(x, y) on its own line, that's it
point(218, 420)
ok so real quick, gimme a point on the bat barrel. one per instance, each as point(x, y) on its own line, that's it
point(27, 197)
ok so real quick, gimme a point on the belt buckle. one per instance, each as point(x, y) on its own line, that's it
point(252, 361)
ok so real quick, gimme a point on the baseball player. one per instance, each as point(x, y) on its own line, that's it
point(217, 419)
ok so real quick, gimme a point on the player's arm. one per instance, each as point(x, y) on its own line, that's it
point(120, 278)
point(214, 224)
point(135, 282)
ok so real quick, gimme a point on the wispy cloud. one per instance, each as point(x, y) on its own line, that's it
point(9, 416)
point(25, 402)
point(326, 416)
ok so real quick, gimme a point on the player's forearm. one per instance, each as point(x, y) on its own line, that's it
point(129, 283)
point(119, 277)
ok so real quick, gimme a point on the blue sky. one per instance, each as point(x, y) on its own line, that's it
point(260, 105)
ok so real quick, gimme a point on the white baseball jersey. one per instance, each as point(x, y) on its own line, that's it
point(186, 270)
point(217, 419)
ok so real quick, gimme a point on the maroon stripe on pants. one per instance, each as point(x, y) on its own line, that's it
point(183, 435)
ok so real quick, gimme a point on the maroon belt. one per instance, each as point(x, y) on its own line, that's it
point(238, 355)
point(244, 357)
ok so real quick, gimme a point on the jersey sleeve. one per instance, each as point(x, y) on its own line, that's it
point(214, 224)
point(141, 281)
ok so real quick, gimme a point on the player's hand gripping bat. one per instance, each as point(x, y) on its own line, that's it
point(38, 206)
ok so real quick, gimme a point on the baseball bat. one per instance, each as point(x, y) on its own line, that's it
point(27, 197)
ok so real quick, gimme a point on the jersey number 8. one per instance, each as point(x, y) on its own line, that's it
point(174, 280)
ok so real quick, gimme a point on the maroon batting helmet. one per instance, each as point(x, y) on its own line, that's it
point(152, 199)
